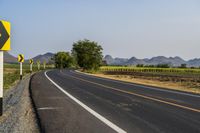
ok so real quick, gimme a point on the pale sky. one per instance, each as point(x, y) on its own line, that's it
point(124, 28)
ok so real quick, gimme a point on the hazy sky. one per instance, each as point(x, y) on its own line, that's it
point(124, 28)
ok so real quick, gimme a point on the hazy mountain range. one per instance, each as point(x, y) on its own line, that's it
point(172, 61)
point(8, 58)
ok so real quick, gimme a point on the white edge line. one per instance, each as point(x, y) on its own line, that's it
point(132, 84)
point(49, 108)
point(97, 115)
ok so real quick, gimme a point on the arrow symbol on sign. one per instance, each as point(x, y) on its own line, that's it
point(21, 58)
point(31, 61)
point(4, 36)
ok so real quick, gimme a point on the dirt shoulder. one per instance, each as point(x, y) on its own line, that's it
point(166, 84)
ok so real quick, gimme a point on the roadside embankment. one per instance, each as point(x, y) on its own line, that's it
point(18, 114)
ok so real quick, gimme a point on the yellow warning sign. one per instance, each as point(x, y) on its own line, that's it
point(4, 35)
point(31, 61)
point(20, 58)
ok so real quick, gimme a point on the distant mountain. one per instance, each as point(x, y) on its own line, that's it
point(134, 61)
point(172, 61)
point(194, 62)
point(8, 58)
point(109, 59)
point(45, 57)
point(115, 61)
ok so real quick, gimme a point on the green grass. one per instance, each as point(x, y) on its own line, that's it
point(9, 79)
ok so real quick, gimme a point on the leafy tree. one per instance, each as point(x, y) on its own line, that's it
point(152, 66)
point(163, 66)
point(139, 65)
point(183, 66)
point(88, 54)
point(63, 60)
point(104, 63)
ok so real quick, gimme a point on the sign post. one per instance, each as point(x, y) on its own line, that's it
point(1, 82)
point(21, 60)
point(44, 64)
point(31, 65)
point(38, 64)
point(20, 70)
point(4, 46)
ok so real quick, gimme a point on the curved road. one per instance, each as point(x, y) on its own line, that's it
point(68, 101)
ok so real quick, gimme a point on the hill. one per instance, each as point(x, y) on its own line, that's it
point(8, 58)
point(45, 57)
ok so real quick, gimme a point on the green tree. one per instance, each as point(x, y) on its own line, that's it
point(63, 60)
point(88, 54)
point(139, 65)
point(163, 66)
point(183, 66)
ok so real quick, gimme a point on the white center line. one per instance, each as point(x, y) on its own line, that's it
point(97, 115)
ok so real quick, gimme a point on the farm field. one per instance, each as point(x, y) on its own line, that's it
point(184, 79)
point(187, 72)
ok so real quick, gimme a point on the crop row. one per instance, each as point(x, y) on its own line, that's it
point(150, 70)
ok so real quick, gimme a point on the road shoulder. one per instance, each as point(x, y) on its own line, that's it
point(18, 114)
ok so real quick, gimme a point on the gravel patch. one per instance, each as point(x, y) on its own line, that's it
point(19, 115)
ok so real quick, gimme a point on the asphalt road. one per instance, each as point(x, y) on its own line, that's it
point(68, 101)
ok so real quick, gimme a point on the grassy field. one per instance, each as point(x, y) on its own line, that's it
point(11, 73)
point(183, 78)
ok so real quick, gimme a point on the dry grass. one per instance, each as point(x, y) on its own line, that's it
point(9, 70)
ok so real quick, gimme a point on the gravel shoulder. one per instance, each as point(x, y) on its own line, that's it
point(19, 115)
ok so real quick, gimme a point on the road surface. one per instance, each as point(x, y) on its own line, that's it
point(68, 101)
